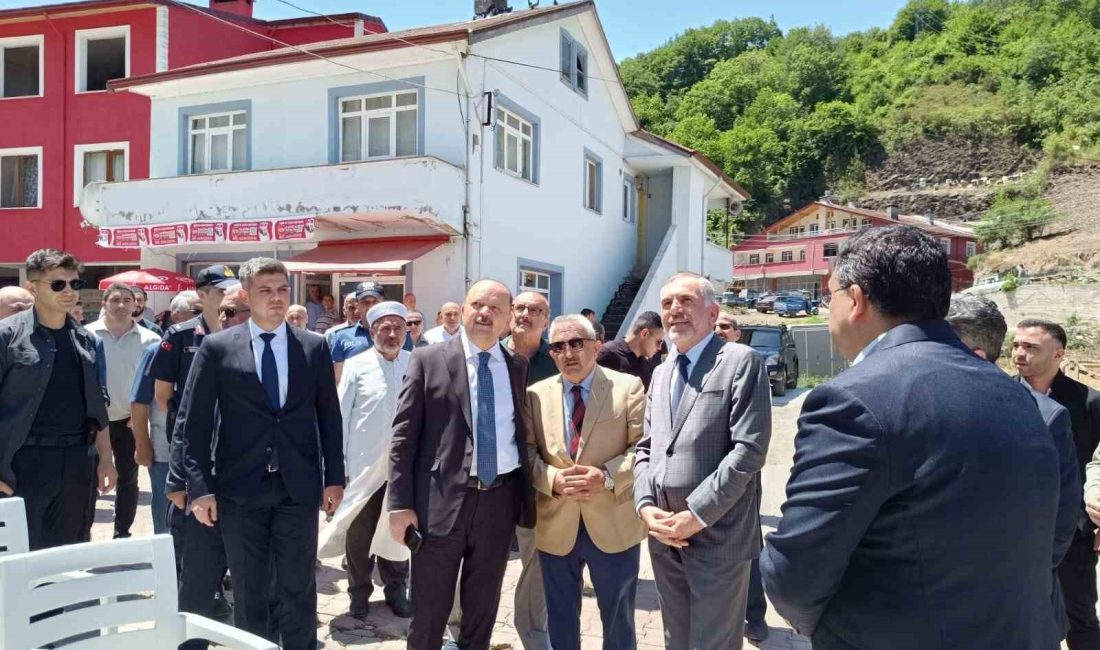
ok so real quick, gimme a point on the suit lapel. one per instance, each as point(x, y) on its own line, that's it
point(519, 393)
point(456, 364)
point(706, 364)
point(297, 367)
point(242, 346)
point(554, 419)
point(597, 401)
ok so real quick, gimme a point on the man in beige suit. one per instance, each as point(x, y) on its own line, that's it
point(584, 425)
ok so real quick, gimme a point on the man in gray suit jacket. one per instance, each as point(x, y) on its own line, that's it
point(696, 487)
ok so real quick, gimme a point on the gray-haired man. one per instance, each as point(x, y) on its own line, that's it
point(707, 429)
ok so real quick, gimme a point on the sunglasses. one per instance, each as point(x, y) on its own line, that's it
point(575, 345)
point(414, 323)
point(57, 286)
point(232, 313)
point(724, 326)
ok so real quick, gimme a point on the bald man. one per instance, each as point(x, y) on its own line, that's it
point(14, 300)
point(450, 322)
point(466, 504)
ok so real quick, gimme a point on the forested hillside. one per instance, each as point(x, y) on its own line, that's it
point(949, 93)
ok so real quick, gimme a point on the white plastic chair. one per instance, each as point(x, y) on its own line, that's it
point(13, 526)
point(143, 568)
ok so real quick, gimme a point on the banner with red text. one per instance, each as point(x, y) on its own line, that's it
point(206, 232)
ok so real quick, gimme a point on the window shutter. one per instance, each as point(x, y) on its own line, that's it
point(567, 59)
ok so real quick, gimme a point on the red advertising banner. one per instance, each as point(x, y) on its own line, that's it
point(206, 232)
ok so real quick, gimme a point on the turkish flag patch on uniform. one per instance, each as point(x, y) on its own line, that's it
point(166, 346)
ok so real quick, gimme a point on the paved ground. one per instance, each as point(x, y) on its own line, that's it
point(383, 631)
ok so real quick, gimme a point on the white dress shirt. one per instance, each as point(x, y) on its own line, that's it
point(693, 357)
point(279, 347)
point(870, 348)
point(122, 356)
point(507, 453)
point(439, 334)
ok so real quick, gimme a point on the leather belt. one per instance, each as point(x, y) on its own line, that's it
point(474, 483)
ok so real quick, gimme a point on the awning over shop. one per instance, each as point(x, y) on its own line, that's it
point(363, 255)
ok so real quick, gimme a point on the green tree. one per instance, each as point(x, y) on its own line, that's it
point(919, 17)
point(1011, 222)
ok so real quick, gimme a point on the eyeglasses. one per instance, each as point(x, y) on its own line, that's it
point(414, 323)
point(57, 286)
point(197, 311)
point(575, 345)
point(232, 313)
point(522, 309)
point(725, 326)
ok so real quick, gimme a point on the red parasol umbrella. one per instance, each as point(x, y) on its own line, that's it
point(150, 280)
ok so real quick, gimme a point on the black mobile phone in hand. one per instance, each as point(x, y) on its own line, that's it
point(413, 538)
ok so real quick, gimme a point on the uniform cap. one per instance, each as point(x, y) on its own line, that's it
point(364, 289)
point(218, 276)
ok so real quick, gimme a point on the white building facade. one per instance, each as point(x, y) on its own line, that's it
point(426, 159)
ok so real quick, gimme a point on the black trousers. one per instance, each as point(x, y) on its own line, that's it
point(480, 541)
point(126, 494)
point(265, 532)
point(1077, 573)
point(361, 563)
point(56, 484)
point(200, 563)
point(758, 605)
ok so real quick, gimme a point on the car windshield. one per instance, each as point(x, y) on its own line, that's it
point(760, 339)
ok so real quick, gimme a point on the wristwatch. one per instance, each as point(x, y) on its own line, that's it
point(608, 481)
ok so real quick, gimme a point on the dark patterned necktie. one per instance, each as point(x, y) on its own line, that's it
point(486, 422)
point(577, 420)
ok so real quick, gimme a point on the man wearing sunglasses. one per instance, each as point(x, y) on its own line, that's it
point(53, 405)
point(415, 338)
point(585, 423)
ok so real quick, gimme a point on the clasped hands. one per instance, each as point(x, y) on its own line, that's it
point(670, 529)
point(579, 482)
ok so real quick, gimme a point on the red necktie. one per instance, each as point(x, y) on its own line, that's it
point(577, 421)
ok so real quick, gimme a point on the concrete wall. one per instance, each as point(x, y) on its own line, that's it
point(1055, 302)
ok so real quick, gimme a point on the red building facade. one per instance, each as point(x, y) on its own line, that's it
point(60, 127)
point(795, 253)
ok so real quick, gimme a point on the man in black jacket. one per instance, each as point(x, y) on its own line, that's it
point(53, 405)
point(1037, 351)
point(278, 454)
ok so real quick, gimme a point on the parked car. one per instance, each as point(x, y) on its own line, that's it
point(730, 298)
point(776, 345)
point(992, 283)
point(793, 306)
point(764, 303)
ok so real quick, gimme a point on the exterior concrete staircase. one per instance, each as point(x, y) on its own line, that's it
point(620, 304)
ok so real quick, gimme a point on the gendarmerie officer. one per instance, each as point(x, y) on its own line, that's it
point(200, 553)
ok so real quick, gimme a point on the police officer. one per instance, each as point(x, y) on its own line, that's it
point(356, 340)
point(200, 554)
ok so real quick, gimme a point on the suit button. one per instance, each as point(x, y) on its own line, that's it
point(268, 450)
point(277, 420)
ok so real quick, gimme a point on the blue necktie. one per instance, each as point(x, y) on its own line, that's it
point(486, 422)
point(679, 382)
point(269, 372)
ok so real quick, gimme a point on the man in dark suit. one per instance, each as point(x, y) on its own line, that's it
point(982, 328)
point(921, 507)
point(279, 445)
point(1037, 351)
point(458, 469)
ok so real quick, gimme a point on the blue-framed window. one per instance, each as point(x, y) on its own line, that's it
point(630, 198)
point(593, 182)
point(516, 140)
point(574, 64)
point(215, 137)
point(376, 121)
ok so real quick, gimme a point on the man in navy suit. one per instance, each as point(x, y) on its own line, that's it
point(922, 504)
point(278, 455)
